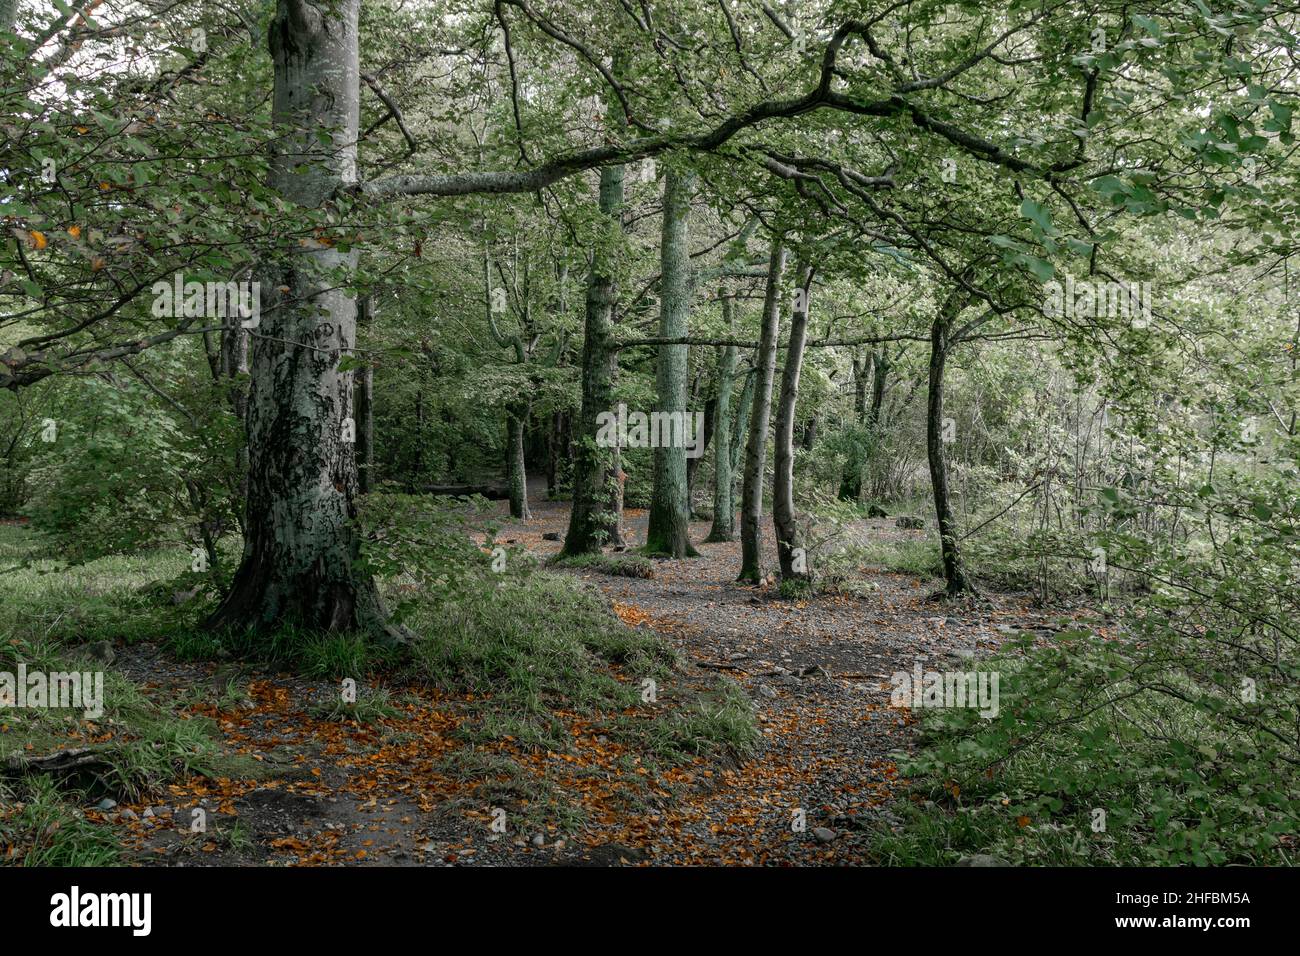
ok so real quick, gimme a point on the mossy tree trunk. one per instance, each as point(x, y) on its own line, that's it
point(668, 532)
point(596, 517)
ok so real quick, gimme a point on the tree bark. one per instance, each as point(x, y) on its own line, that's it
point(953, 572)
point(693, 464)
point(516, 474)
point(233, 372)
point(668, 532)
point(300, 552)
point(552, 453)
point(751, 499)
point(366, 408)
point(724, 508)
point(788, 541)
point(851, 480)
point(809, 437)
point(740, 429)
point(879, 377)
point(596, 516)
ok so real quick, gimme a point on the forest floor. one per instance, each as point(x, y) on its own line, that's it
point(407, 789)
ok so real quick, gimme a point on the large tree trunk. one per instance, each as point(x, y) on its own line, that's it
point(668, 533)
point(751, 498)
point(724, 507)
point(789, 546)
point(516, 475)
point(300, 552)
point(596, 517)
point(953, 571)
point(366, 407)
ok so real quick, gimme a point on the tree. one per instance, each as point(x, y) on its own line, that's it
point(751, 499)
point(301, 542)
point(595, 519)
point(935, 426)
point(724, 505)
point(789, 544)
point(669, 525)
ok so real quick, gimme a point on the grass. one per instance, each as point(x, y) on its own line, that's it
point(529, 642)
point(149, 746)
point(530, 649)
point(49, 616)
point(106, 599)
point(722, 721)
point(794, 589)
point(41, 828)
point(371, 706)
point(623, 565)
point(842, 571)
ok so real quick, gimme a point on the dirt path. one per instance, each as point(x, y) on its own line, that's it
point(818, 673)
point(407, 790)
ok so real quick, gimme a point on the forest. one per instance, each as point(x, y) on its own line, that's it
point(713, 433)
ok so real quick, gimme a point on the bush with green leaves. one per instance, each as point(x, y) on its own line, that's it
point(127, 471)
point(1177, 723)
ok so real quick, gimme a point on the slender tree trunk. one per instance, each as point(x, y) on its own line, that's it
point(552, 453)
point(516, 475)
point(879, 377)
point(366, 407)
point(233, 369)
point(809, 437)
point(668, 532)
point(724, 507)
point(953, 571)
point(693, 464)
point(789, 545)
point(880, 366)
point(740, 429)
point(851, 480)
point(301, 548)
point(751, 498)
point(595, 519)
